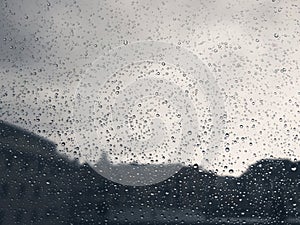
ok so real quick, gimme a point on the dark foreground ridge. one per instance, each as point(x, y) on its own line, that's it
point(37, 186)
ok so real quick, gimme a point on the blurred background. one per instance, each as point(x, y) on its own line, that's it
point(38, 186)
point(250, 47)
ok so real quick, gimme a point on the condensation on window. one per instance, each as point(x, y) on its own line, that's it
point(164, 112)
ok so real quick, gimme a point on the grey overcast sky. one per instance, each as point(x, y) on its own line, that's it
point(250, 47)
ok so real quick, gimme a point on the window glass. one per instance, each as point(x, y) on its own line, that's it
point(149, 112)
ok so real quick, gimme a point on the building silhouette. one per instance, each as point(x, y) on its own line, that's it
point(37, 186)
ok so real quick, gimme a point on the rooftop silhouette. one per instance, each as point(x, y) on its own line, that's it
point(38, 186)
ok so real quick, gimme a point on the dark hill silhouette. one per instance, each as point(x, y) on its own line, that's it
point(37, 186)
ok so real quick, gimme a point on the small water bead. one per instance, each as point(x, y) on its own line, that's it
point(294, 168)
point(283, 70)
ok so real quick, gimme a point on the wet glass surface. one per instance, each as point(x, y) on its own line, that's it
point(149, 112)
point(40, 187)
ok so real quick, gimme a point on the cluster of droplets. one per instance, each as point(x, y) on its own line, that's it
point(45, 47)
point(142, 111)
